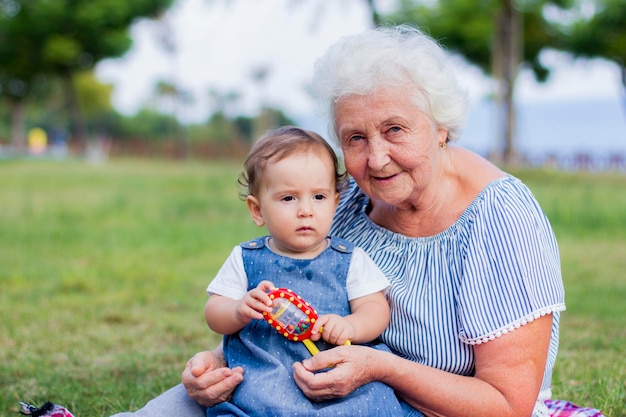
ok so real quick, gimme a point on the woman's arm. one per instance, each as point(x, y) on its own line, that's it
point(509, 372)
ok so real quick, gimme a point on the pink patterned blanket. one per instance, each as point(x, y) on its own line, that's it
point(560, 408)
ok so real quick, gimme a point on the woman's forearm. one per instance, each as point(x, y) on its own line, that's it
point(438, 393)
point(506, 381)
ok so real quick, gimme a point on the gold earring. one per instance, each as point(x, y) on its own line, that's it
point(443, 145)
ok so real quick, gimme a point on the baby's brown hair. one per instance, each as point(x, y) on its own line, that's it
point(277, 144)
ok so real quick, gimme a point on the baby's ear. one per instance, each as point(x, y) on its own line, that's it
point(254, 207)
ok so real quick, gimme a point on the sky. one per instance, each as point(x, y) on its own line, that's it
point(219, 44)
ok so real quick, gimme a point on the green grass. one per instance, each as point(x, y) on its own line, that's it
point(103, 270)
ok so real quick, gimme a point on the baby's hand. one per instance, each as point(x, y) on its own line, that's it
point(333, 329)
point(254, 303)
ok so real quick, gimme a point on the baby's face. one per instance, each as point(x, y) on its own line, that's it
point(297, 203)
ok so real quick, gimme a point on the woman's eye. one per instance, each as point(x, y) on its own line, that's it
point(394, 129)
point(353, 138)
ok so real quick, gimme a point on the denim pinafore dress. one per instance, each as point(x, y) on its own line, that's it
point(268, 388)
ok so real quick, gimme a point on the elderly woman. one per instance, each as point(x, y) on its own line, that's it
point(476, 287)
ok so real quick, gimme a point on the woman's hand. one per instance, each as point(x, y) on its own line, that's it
point(353, 366)
point(207, 379)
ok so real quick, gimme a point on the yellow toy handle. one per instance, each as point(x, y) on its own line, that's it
point(311, 346)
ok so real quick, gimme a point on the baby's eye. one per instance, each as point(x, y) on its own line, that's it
point(288, 198)
point(319, 197)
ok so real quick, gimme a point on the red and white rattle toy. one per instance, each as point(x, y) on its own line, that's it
point(293, 317)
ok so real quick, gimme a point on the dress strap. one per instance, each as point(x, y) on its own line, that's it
point(257, 243)
point(341, 245)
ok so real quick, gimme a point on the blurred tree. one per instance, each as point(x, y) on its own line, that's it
point(166, 96)
point(172, 99)
point(20, 55)
point(46, 107)
point(222, 129)
point(498, 36)
point(94, 99)
point(597, 29)
point(146, 124)
point(62, 37)
point(375, 15)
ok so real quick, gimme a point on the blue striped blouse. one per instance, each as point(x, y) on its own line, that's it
point(494, 270)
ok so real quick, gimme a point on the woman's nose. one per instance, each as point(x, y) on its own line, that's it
point(378, 154)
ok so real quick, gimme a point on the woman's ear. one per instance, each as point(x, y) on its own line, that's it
point(254, 207)
point(442, 135)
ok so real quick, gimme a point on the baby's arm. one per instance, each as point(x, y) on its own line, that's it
point(369, 317)
point(226, 316)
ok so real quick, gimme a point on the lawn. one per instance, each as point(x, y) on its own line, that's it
point(104, 268)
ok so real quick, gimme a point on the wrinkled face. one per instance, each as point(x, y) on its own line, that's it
point(390, 147)
point(297, 202)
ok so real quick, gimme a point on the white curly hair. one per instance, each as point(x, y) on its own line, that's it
point(399, 56)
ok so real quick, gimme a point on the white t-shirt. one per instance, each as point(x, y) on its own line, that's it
point(364, 277)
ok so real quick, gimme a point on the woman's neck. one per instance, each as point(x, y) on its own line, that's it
point(414, 221)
